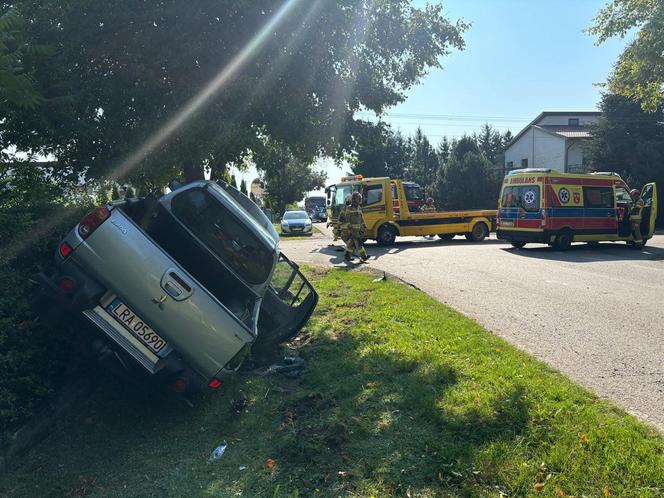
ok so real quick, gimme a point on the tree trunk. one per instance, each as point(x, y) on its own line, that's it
point(192, 172)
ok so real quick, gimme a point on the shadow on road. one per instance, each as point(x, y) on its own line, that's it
point(585, 253)
point(375, 251)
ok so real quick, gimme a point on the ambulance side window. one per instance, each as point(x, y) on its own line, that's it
point(598, 197)
point(622, 195)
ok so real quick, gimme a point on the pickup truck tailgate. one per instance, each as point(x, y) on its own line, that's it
point(146, 279)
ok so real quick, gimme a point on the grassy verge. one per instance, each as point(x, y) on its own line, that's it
point(277, 226)
point(402, 396)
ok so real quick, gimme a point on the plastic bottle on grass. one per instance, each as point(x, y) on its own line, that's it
point(218, 452)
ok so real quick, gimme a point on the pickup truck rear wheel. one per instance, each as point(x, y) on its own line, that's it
point(387, 234)
point(479, 232)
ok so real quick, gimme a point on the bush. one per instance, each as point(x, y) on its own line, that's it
point(33, 355)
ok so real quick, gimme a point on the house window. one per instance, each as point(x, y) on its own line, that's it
point(573, 122)
point(524, 163)
point(510, 164)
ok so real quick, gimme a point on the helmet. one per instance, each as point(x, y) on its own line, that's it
point(429, 200)
point(635, 193)
point(347, 199)
point(357, 197)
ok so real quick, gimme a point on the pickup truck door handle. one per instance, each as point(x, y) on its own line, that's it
point(176, 285)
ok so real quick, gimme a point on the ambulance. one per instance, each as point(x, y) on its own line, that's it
point(546, 206)
point(389, 212)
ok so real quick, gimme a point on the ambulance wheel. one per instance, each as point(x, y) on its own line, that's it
point(564, 240)
point(387, 234)
point(518, 245)
point(479, 232)
point(446, 236)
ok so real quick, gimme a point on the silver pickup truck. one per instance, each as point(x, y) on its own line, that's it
point(183, 286)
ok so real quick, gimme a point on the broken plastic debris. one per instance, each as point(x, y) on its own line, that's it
point(243, 467)
point(380, 279)
point(218, 452)
point(293, 367)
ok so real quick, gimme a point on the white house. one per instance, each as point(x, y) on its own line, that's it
point(552, 140)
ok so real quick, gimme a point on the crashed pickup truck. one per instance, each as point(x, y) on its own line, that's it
point(181, 286)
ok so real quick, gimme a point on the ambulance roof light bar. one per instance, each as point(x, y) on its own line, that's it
point(529, 170)
point(606, 173)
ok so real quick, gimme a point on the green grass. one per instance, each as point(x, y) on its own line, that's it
point(402, 396)
point(277, 227)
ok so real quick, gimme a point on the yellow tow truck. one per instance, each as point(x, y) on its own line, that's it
point(387, 204)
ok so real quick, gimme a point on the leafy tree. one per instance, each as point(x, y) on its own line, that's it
point(243, 187)
point(466, 182)
point(115, 193)
point(379, 151)
point(287, 177)
point(252, 197)
point(122, 71)
point(16, 85)
point(424, 163)
point(630, 141)
point(233, 182)
point(639, 72)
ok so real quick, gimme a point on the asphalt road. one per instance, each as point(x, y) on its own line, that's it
point(595, 314)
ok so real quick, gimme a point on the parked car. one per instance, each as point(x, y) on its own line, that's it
point(181, 286)
point(320, 215)
point(296, 222)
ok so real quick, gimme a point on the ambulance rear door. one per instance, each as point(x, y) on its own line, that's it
point(649, 196)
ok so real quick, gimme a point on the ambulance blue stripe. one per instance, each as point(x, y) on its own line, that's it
point(512, 213)
point(581, 212)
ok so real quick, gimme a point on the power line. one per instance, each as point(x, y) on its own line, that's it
point(444, 117)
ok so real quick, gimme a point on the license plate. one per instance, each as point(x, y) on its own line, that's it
point(297, 229)
point(134, 324)
point(506, 223)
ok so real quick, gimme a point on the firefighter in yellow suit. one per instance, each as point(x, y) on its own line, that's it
point(635, 217)
point(352, 218)
point(428, 207)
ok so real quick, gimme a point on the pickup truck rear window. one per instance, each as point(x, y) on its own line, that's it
point(224, 234)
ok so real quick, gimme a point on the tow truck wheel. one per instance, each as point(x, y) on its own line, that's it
point(564, 239)
point(387, 234)
point(479, 232)
point(446, 236)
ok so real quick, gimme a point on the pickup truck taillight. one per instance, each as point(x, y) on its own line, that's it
point(92, 221)
point(214, 383)
point(64, 250)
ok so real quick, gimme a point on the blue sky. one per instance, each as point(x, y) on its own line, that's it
point(522, 57)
